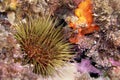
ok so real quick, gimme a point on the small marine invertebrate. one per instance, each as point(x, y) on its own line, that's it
point(44, 45)
point(84, 22)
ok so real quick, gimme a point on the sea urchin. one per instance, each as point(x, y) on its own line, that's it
point(44, 45)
